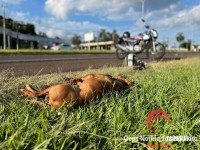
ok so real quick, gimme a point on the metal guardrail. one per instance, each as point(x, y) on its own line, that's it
point(31, 37)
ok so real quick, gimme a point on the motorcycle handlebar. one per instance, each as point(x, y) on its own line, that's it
point(145, 25)
point(142, 20)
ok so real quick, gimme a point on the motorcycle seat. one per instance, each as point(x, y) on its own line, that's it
point(131, 39)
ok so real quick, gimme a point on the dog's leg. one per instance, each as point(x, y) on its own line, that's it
point(33, 93)
point(89, 90)
point(29, 88)
point(27, 93)
point(83, 78)
point(92, 76)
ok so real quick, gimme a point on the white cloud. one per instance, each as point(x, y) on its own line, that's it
point(112, 9)
point(54, 32)
point(171, 10)
point(130, 14)
point(20, 16)
point(64, 29)
point(54, 27)
point(167, 15)
point(183, 18)
point(60, 9)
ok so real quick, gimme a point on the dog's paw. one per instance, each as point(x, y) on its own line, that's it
point(28, 87)
point(25, 86)
point(21, 91)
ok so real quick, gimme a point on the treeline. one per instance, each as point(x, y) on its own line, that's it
point(102, 36)
point(188, 44)
point(25, 28)
point(21, 27)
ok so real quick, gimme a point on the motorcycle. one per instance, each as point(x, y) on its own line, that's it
point(143, 41)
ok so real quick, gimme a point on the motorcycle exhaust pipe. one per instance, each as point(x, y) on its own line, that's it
point(118, 46)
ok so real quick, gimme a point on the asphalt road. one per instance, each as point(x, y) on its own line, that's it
point(44, 64)
point(52, 57)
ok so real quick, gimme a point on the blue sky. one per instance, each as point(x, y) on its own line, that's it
point(64, 18)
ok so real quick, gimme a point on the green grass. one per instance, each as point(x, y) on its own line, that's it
point(36, 51)
point(171, 86)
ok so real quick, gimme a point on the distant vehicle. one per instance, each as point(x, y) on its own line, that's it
point(61, 47)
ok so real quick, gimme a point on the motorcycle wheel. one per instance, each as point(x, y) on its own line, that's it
point(158, 54)
point(120, 53)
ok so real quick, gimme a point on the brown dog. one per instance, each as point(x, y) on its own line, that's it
point(89, 87)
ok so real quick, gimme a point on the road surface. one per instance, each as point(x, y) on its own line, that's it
point(44, 64)
point(52, 57)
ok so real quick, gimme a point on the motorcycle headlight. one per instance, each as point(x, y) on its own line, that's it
point(154, 33)
point(126, 34)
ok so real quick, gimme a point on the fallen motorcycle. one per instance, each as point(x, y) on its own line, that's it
point(142, 42)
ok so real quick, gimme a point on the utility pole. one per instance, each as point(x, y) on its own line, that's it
point(142, 15)
point(143, 1)
point(16, 27)
point(4, 27)
point(17, 44)
point(192, 34)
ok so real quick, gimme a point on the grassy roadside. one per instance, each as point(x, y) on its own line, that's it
point(172, 86)
point(37, 51)
point(32, 51)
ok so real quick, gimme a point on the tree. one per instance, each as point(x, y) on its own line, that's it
point(76, 40)
point(165, 43)
point(102, 35)
point(42, 34)
point(107, 36)
point(186, 44)
point(115, 35)
point(27, 28)
point(180, 38)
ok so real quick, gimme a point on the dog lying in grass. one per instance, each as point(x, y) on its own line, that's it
point(89, 87)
